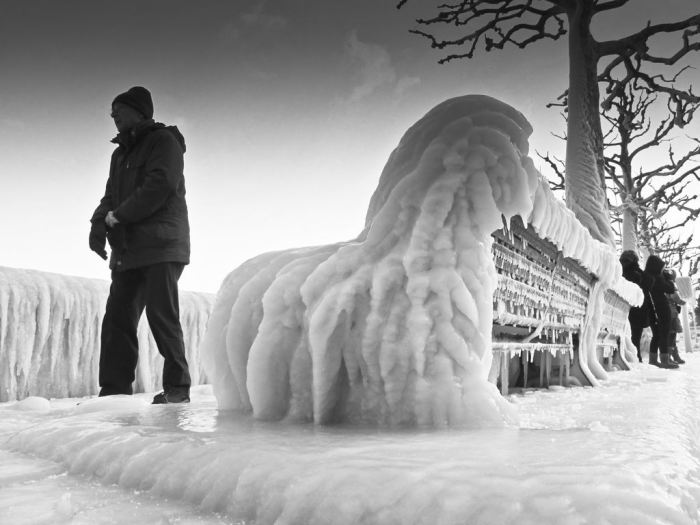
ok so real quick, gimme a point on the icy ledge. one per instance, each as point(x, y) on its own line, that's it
point(50, 335)
point(552, 220)
point(623, 454)
point(394, 327)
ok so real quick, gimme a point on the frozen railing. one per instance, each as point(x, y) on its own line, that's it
point(50, 335)
point(541, 304)
point(396, 325)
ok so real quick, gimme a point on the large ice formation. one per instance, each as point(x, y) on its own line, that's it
point(394, 327)
point(50, 335)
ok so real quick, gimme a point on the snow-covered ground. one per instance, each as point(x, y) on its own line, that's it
point(626, 452)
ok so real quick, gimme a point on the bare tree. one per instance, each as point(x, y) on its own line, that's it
point(655, 204)
point(498, 23)
point(679, 252)
point(666, 239)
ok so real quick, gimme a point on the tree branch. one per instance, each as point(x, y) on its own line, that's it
point(495, 23)
point(637, 42)
point(557, 166)
point(611, 4)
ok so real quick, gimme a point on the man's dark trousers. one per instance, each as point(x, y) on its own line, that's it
point(154, 288)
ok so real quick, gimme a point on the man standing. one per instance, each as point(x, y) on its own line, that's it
point(143, 214)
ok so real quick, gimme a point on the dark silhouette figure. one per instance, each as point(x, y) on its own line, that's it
point(675, 302)
point(661, 313)
point(144, 216)
point(639, 316)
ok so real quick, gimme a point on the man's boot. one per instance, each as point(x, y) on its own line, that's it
point(172, 395)
point(676, 358)
point(666, 362)
point(654, 359)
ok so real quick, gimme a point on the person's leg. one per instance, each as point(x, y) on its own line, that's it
point(119, 349)
point(673, 347)
point(163, 313)
point(654, 346)
point(661, 335)
point(636, 335)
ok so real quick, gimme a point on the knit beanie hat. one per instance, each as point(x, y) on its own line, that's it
point(628, 257)
point(138, 98)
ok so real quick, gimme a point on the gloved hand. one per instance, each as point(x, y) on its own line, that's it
point(98, 238)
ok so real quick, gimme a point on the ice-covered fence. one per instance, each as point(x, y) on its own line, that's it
point(395, 326)
point(541, 303)
point(50, 335)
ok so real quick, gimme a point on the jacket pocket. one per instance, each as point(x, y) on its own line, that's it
point(117, 237)
point(168, 231)
point(157, 233)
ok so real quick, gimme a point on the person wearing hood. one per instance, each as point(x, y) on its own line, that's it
point(661, 313)
point(143, 214)
point(639, 316)
point(675, 302)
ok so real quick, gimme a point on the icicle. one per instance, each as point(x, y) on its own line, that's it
point(50, 331)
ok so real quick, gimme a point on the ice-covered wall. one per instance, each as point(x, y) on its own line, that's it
point(50, 335)
point(394, 327)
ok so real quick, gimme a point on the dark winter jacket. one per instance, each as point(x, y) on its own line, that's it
point(641, 315)
point(146, 192)
point(659, 289)
point(675, 302)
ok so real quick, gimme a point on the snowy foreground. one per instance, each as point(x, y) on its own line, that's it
point(625, 452)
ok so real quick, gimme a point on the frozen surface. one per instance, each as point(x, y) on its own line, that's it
point(50, 335)
point(395, 326)
point(626, 452)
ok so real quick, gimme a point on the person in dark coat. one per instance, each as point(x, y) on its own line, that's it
point(143, 214)
point(639, 316)
point(661, 320)
point(675, 302)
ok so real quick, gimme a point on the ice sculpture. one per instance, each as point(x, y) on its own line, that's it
point(50, 335)
point(394, 327)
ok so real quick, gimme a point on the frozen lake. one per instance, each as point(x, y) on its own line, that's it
point(627, 452)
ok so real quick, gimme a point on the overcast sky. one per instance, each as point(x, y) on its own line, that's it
point(290, 109)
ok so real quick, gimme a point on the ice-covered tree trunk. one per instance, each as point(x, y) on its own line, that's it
point(630, 216)
point(629, 229)
point(585, 173)
point(585, 183)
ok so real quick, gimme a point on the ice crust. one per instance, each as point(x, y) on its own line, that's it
point(394, 327)
point(50, 328)
point(625, 453)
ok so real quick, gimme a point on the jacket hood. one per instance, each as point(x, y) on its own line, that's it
point(124, 139)
point(174, 131)
point(654, 265)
